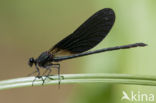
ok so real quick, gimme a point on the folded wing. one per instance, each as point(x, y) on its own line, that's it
point(88, 35)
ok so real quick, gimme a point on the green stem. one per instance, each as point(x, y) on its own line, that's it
point(81, 78)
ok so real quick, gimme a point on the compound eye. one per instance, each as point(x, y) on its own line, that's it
point(31, 62)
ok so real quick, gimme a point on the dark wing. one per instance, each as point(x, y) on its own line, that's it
point(88, 35)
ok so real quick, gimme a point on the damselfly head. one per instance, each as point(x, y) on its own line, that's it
point(31, 61)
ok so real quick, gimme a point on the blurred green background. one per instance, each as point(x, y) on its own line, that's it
point(29, 27)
